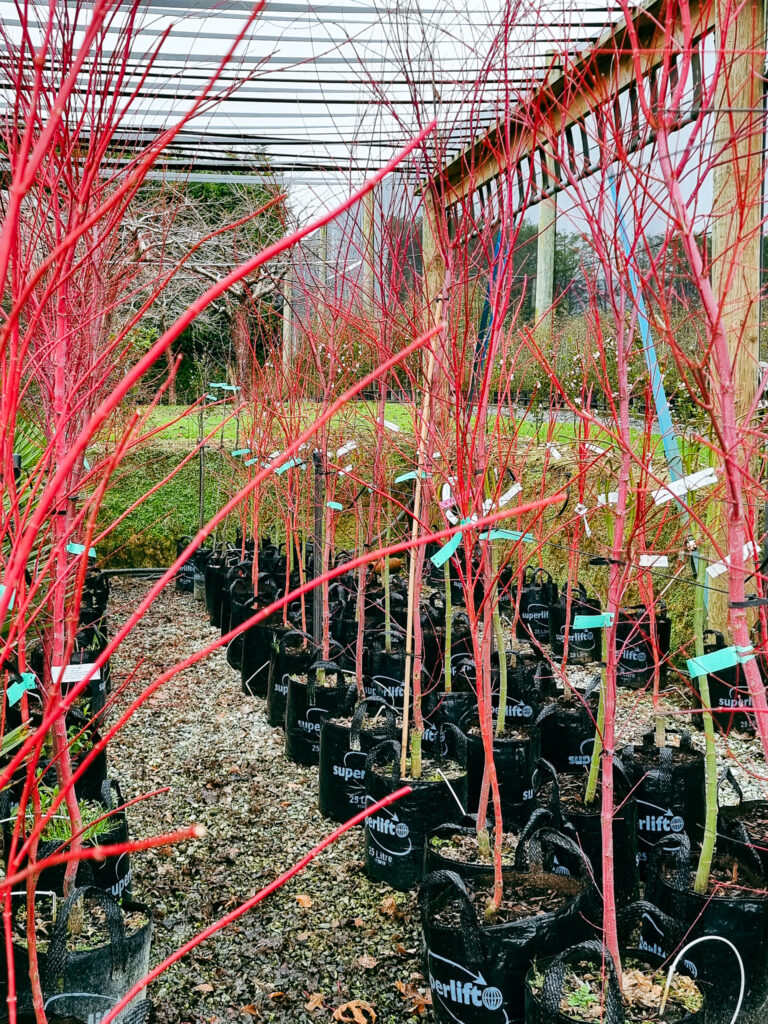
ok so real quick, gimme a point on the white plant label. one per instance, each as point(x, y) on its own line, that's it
point(553, 451)
point(751, 550)
point(391, 426)
point(581, 511)
point(595, 449)
point(678, 488)
point(653, 562)
point(74, 673)
point(611, 498)
point(345, 449)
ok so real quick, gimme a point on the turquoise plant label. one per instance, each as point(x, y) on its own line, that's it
point(600, 621)
point(241, 451)
point(79, 549)
point(15, 690)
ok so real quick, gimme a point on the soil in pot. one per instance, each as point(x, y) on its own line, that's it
point(395, 837)
point(455, 848)
point(583, 998)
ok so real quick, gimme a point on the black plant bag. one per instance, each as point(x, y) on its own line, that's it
point(185, 575)
point(87, 983)
point(307, 704)
point(635, 648)
point(743, 921)
point(90, 784)
point(258, 641)
point(585, 828)
point(476, 973)
point(241, 600)
point(343, 751)
point(544, 1007)
point(729, 695)
point(585, 645)
point(292, 653)
point(395, 836)
point(567, 731)
point(515, 760)
point(744, 823)
point(538, 592)
point(669, 790)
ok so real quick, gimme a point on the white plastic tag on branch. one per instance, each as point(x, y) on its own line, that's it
point(345, 449)
point(596, 449)
point(447, 500)
point(391, 426)
point(692, 482)
point(653, 562)
point(751, 550)
point(581, 511)
point(553, 451)
point(609, 498)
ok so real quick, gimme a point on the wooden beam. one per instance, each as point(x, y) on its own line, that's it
point(737, 210)
point(567, 97)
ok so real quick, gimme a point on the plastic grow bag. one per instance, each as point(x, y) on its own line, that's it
point(668, 785)
point(635, 647)
point(86, 983)
point(515, 759)
point(538, 592)
point(476, 973)
point(742, 919)
point(585, 644)
point(292, 654)
point(544, 1007)
point(343, 750)
point(307, 704)
point(395, 836)
point(567, 731)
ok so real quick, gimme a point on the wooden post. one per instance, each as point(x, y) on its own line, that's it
point(434, 280)
point(288, 346)
point(545, 262)
point(736, 209)
point(369, 253)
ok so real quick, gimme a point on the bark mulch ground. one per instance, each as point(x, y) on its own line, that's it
point(328, 937)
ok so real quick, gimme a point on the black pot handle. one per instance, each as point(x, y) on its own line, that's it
point(386, 746)
point(107, 787)
point(729, 777)
point(719, 639)
point(550, 835)
point(459, 743)
point(295, 632)
point(56, 957)
point(554, 978)
point(540, 574)
point(360, 713)
point(676, 846)
point(629, 917)
point(139, 1013)
point(451, 890)
point(546, 768)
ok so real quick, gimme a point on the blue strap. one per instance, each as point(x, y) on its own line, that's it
point(241, 451)
point(448, 550)
point(527, 538)
point(593, 621)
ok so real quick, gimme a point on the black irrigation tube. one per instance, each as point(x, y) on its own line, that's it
point(144, 573)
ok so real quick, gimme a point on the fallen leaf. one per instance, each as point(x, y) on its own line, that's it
point(356, 1012)
point(302, 936)
point(389, 907)
point(304, 901)
point(419, 1000)
point(250, 1009)
point(358, 922)
point(367, 962)
point(277, 995)
point(205, 987)
point(315, 1001)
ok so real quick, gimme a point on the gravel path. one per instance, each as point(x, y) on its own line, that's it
point(330, 935)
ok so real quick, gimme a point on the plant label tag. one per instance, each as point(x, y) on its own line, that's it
point(553, 451)
point(653, 562)
point(74, 673)
point(391, 426)
point(678, 488)
point(751, 550)
point(609, 498)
